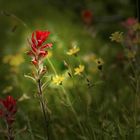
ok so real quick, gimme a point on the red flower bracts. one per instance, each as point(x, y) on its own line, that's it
point(38, 47)
point(8, 109)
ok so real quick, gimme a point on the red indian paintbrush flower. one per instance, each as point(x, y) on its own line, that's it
point(38, 48)
point(8, 109)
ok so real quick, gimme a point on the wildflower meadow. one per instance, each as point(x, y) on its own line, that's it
point(69, 70)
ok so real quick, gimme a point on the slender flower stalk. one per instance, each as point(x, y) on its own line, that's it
point(38, 52)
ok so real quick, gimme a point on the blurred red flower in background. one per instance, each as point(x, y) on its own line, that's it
point(87, 16)
point(38, 47)
point(8, 109)
point(131, 39)
point(129, 22)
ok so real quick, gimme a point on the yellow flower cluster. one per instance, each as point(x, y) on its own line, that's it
point(58, 79)
point(117, 36)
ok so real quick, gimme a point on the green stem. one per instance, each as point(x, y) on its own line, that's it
point(52, 66)
point(45, 113)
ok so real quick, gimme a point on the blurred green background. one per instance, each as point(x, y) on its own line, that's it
point(104, 110)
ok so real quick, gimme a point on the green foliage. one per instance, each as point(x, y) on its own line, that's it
point(99, 105)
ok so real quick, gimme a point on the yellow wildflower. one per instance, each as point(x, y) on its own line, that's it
point(73, 51)
point(78, 70)
point(58, 79)
point(117, 36)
